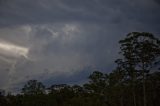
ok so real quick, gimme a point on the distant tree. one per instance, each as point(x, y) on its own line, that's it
point(97, 82)
point(2, 92)
point(3, 101)
point(97, 87)
point(78, 89)
point(116, 88)
point(33, 87)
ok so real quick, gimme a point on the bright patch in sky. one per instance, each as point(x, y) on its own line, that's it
point(13, 50)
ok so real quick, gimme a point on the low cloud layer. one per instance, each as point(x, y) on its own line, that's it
point(66, 38)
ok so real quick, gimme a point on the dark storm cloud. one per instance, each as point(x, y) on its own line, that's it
point(18, 12)
point(158, 1)
point(66, 36)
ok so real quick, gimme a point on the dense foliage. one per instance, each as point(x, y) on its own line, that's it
point(134, 82)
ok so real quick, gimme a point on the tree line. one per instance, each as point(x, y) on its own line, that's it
point(135, 81)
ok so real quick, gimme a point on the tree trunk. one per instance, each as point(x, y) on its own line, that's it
point(134, 97)
point(121, 101)
point(133, 94)
point(144, 90)
point(133, 89)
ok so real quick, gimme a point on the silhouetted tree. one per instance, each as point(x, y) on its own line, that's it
point(2, 98)
point(33, 87)
point(140, 51)
point(97, 82)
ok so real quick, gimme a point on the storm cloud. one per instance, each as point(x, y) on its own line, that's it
point(67, 39)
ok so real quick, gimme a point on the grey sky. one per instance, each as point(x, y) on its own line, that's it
point(67, 39)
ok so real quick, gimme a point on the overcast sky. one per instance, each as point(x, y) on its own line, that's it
point(63, 41)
